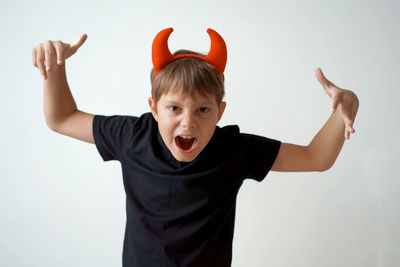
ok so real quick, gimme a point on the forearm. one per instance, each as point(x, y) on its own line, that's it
point(327, 143)
point(58, 102)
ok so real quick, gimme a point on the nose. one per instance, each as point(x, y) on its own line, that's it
point(188, 121)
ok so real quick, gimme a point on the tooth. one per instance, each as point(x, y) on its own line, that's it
point(186, 137)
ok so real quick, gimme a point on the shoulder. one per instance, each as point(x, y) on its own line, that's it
point(223, 140)
point(251, 145)
point(122, 125)
point(226, 137)
point(144, 119)
point(227, 131)
point(147, 119)
point(233, 132)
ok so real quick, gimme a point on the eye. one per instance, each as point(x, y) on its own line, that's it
point(173, 108)
point(203, 110)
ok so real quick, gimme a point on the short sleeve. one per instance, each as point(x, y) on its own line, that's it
point(258, 154)
point(110, 134)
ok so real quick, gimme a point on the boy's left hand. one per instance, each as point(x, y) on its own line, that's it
point(346, 100)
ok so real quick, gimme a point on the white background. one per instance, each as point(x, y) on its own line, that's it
point(61, 205)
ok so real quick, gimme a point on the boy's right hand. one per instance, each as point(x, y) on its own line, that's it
point(54, 52)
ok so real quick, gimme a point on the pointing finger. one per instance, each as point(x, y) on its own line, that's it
point(347, 133)
point(349, 125)
point(335, 102)
point(48, 59)
point(34, 57)
point(347, 121)
point(60, 55)
point(39, 60)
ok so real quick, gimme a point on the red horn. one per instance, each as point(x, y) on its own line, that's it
point(161, 55)
point(217, 55)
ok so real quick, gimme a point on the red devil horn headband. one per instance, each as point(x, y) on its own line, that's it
point(162, 56)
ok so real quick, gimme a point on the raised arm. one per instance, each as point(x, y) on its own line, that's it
point(60, 110)
point(321, 153)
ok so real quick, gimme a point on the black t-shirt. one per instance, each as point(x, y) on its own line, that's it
point(179, 213)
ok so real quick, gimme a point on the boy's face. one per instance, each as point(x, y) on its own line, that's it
point(186, 123)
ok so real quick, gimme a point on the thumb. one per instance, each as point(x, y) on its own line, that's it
point(321, 78)
point(326, 84)
point(70, 49)
point(79, 42)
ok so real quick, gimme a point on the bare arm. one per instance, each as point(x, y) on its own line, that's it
point(60, 110)
point(328, 142)
point(58, 102)
point(323, 150)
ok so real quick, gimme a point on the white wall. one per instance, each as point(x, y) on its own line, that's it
point(61, 205)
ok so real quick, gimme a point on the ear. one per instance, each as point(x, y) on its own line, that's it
point(153, 108)
point(222, 107)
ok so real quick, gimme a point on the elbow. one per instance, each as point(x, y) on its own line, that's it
point(322, 169)
point(318, 164)
point(326, 167)
point(51, 126)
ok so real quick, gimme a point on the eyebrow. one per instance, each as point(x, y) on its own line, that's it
point(173, 102)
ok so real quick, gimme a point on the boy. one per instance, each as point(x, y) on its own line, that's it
point(181, 171)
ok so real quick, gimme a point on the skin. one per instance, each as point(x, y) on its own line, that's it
point(323, 150)
point(178, 114)
point(346, 100)
point(197, 116)
point(51, 53)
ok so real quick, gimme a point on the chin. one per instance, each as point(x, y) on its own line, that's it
point(187, 158)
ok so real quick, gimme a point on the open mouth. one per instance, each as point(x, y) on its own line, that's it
point(186, 142)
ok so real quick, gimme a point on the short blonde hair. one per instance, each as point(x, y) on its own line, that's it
point(190, 75)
